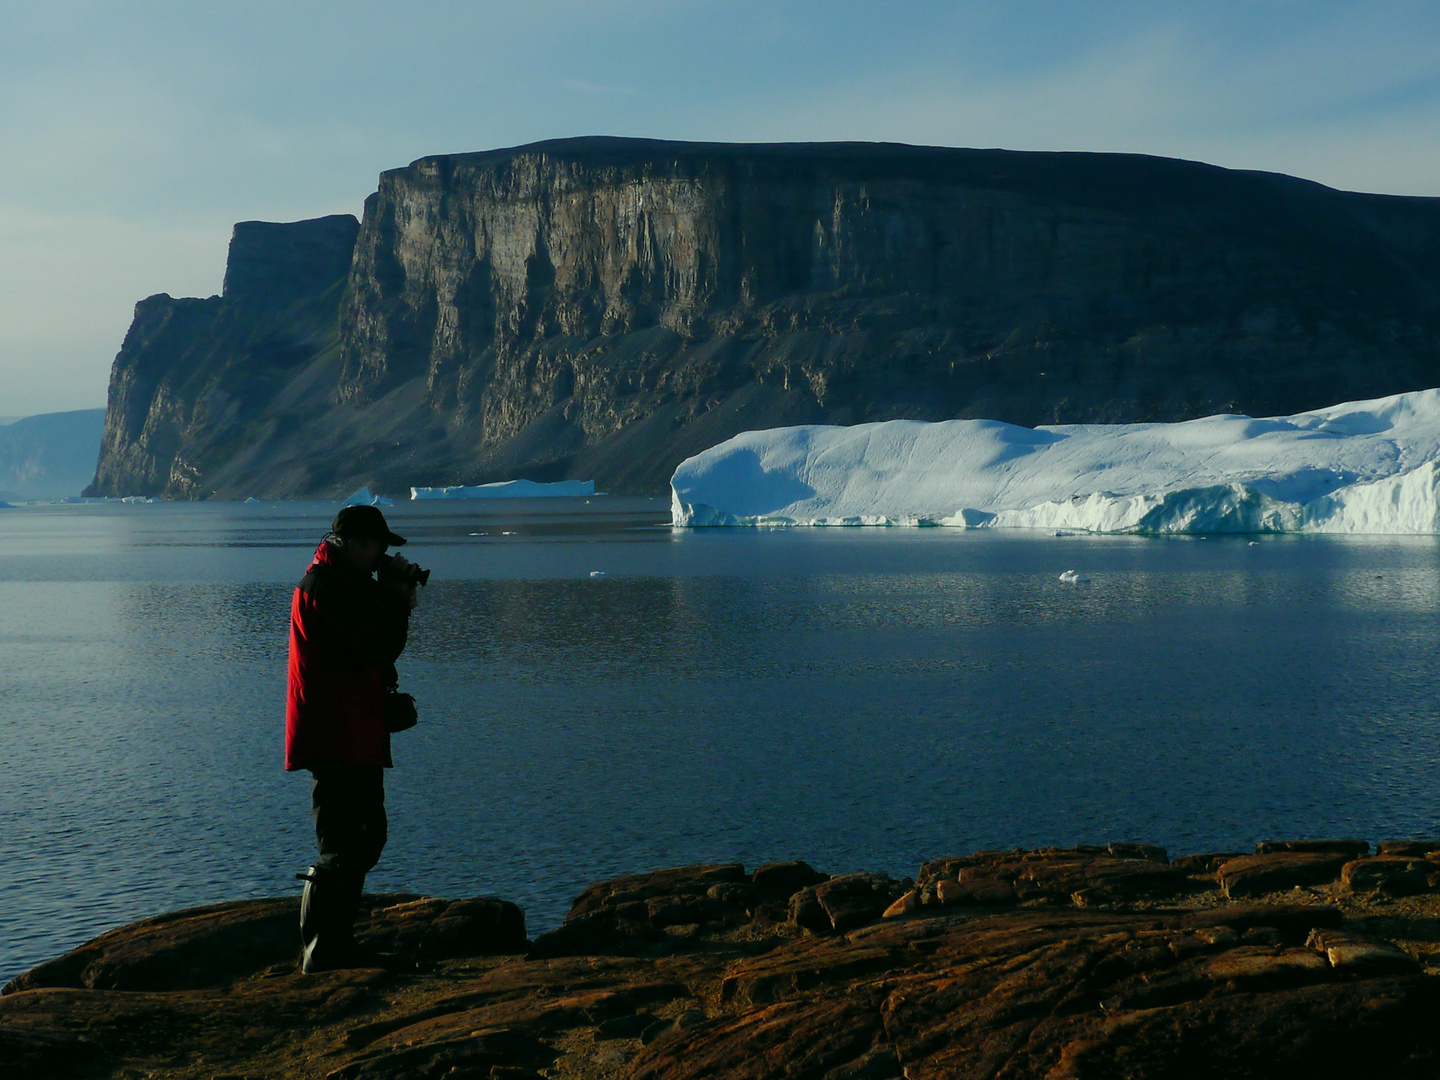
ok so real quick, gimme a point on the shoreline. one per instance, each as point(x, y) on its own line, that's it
point(1079, 962)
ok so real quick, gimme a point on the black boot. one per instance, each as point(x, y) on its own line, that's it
point(327, 924)
point(325, 932)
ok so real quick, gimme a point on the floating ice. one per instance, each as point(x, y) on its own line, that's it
point(597, 573)
point(363, 497)
point(1360, 467)
point(507, 489)
point(252, 498)
point(1073, 577)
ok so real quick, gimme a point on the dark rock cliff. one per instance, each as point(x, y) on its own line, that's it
point(200, 387)
point(603, 308)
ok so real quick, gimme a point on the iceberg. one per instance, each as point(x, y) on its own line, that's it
point(1359, 467)
point(363, 497)
point(507, 489)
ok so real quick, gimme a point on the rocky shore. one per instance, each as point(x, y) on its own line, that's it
point(1303, 958)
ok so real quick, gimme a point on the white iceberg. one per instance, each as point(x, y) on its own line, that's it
point(507, 489)
point(363, 497)
point(1360, 467)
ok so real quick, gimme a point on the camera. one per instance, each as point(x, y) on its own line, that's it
point(407, 576)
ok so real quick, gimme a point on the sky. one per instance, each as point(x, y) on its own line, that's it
point(134, 134)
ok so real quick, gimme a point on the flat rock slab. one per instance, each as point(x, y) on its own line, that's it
point(1099, 963)
point(1256, 875)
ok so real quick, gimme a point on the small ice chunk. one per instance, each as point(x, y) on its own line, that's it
point(480, 534)
point(1073, 577)
point(251, 499)
point(1253, 543)
point(507, 489)
point(597, 573)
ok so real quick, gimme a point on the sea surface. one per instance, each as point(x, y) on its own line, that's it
point(861, 698)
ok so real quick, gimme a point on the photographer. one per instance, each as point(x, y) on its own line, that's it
point(346, 631)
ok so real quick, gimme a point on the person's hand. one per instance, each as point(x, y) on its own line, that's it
point(412, 598)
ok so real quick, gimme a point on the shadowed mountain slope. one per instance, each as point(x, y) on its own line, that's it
point(49, 456)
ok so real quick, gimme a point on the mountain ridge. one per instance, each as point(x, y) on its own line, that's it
point(602, 308)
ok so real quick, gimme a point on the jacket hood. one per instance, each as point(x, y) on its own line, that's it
point(331, 557)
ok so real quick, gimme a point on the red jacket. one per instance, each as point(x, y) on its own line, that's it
point(346, 631)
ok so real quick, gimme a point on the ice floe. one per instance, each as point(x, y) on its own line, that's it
point(507, 489)
point(1360, 467)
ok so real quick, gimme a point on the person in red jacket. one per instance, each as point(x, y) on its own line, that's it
point(346, 631)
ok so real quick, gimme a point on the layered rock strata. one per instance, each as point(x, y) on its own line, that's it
point(1085, 963)
point(601, 309)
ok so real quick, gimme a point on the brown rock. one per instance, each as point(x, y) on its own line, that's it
point(447, 930)
point(906, 905)
point(936, 869)
point(1150, 852)
point(977, 891)
point(852, 900)
point(1254, 875)
point(786, 878)
point(808, 913)
point(1247, 965)
point(1295, 921)
point(1101, 878)
point(1397, 875)
point(1355, 953)
point(1208, 862)
point(1255, 990)
point(1353, 848)
point(1414, 848)
point(185, 950)
point(675, 881)
point(673, 910)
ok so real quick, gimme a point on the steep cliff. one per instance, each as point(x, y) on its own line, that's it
point(602, 308)
point(200, 386)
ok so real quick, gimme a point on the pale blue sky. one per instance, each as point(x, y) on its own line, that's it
point(132, 135)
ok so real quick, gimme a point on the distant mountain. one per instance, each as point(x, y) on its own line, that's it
point(50, 456)
point(600, 309)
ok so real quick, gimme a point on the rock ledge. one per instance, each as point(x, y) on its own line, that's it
point(1303, 957)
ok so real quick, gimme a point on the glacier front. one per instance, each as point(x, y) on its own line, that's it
point(1359, 467)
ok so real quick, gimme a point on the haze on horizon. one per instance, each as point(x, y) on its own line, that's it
point(138, 133)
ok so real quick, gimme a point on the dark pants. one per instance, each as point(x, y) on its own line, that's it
point(348, 805)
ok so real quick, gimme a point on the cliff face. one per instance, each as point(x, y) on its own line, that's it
point(603, 308)
point(198, 383)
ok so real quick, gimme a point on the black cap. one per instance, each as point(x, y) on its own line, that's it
point(364, 523)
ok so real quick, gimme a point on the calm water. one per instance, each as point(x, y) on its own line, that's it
point(859, 698)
